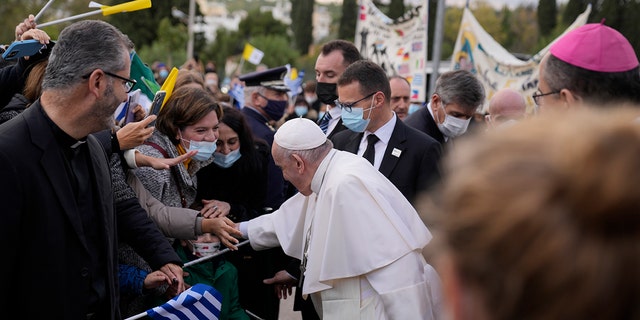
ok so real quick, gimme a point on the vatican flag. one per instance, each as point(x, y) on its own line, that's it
point(252, 54)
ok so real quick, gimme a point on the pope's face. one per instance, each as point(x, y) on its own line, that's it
point(293, 170)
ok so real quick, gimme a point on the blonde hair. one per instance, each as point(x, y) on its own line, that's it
point(542, 219)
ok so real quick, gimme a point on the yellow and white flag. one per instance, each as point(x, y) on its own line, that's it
point(252, 54)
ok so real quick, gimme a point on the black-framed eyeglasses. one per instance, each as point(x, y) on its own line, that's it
point(348, 106)
point(128, 83)
point(536, 95)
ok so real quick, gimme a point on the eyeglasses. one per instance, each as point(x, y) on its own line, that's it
point(348, 106)
point(536, 96)
point(128, 83)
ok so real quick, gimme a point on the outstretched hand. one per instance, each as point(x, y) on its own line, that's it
point(224, 228)
point(143, 160)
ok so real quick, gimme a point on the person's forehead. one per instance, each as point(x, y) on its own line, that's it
point(349, 92)
point(453, 107)
point(399, 87)
point(334, 61)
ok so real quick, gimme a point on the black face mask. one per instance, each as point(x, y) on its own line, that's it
point(326, 92)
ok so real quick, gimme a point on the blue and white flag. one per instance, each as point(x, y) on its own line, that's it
point(198, 302)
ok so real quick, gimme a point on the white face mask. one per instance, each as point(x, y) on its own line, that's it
point(203, 249)
point(453, 127)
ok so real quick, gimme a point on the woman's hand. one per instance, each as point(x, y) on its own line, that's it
point(215, 208)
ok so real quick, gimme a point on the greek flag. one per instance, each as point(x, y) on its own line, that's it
point(198, 302)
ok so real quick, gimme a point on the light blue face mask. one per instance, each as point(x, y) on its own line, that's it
point(226, 160)
point(321, 114)
point(205, 149)
point(414, 107)
point(301, 110)
point(354, 119)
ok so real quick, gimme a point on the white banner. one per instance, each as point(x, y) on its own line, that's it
point(495, 67)
point(398, 46)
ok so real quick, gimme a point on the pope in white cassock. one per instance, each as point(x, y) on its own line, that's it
point(358, 238)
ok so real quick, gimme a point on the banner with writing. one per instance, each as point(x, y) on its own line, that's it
point(399, 46)
point(495, 67)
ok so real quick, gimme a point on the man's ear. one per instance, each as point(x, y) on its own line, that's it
point(299, 163)
point(254, 99)
point(96, 82)
point(569, 99)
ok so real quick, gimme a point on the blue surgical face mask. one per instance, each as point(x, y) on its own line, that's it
point(275, 108)
point(226, 160)
point(414, 107)
point(301, 110)
point(205, 149)
point(321, 114)
point(163, 73)
point(354, 119)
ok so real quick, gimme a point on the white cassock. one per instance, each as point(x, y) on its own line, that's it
point(365, 244)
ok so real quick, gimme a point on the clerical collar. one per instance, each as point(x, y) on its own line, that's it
point(64, 140)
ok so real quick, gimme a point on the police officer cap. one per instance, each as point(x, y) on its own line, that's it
point(270, 79)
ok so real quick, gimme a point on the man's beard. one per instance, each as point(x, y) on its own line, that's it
point(104, 108)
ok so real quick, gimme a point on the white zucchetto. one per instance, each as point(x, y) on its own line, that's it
point(299, 134)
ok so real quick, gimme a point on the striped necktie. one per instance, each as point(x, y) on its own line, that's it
point(324, 122)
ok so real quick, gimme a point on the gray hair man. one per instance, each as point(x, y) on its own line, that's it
point(457, 96)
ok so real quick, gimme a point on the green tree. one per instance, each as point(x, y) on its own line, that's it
point(301, 17)
point(573, 9)
point(166, 47)
point(261, 23)
point(277, 51)
point(547, 11)
point(348, 20)
point(143, 26)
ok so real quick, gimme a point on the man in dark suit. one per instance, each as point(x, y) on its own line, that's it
point(335, 56)
point(58, 201)
point(407, 157)
point(454, 102)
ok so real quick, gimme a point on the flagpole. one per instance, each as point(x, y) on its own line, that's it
point(42, 10)
point(437, 45)
point(190, 263)
point(82, 15)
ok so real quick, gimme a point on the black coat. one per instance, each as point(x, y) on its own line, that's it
point(410, 162)
point(423, 121)
point(47, 258)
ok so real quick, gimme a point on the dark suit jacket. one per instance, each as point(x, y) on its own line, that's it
point(338, 128)
point(415, 168)
point(276, 185)
point(423, 121)
point(46, 256)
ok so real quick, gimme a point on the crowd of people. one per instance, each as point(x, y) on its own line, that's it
point(356, 201)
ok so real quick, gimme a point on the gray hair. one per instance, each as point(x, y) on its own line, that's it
point(462, 88)
point(248, 91)
point(315, 155)
point(83, 47)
